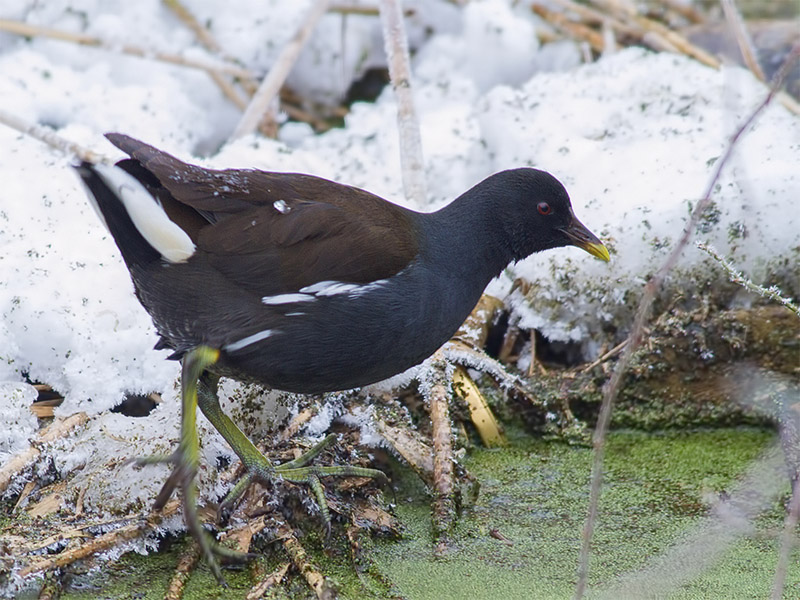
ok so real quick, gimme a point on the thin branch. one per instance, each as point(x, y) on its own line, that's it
point(25, 29)
point(51, 138)
point(737, 277)
point(271, 86)
point(396, 44)
point(637, 331)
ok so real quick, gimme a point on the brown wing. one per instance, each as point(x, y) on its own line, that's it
point(275, 233)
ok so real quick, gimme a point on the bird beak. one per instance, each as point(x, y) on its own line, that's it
point(581, 237)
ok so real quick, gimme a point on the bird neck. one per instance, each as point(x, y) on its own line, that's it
point(471, 235)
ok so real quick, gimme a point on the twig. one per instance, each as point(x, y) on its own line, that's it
point(773, 292)
point(25, 29)
point(54, 431)
point(610, 354)
point(186, 563)
point(260, 590)
point(739, 31)
point(271, 86)
point(322, 588)
point(396, 45)
point(408, 444)
point(635, 338)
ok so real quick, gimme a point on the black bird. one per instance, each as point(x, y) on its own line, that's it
point(304, 284)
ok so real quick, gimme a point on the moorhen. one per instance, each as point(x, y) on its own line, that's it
point(305, 285)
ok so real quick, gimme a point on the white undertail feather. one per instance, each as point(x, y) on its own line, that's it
point(149, 218)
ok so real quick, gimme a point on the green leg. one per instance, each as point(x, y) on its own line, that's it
point(186, 457)
point(199, 388)
point(259, 467)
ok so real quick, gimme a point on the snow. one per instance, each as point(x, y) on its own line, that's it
point(633, 137)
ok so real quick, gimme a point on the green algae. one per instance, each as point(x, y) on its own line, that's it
point(522, 536)
point(535, 494)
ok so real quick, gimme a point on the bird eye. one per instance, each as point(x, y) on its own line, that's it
point(543, 208)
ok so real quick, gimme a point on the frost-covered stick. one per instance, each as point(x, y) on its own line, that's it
point(396, 45)
point(25, 29)
point(737, 277)
point(612, 388)
point(103, 542)
point(277, 75)
point(736, 25)
point(54, 431)
point(444, 509)
point(51, 138)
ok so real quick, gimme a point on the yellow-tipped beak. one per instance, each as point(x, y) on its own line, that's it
point(597, 249)
point(581, 237)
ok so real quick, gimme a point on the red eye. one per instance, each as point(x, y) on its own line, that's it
point(543, 208)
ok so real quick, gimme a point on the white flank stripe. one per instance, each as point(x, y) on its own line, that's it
point(172, 242)
point(286, 298)
point(250, 339)
point(330, 288)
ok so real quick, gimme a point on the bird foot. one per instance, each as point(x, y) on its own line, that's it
point(182, 479)
point(260, 469)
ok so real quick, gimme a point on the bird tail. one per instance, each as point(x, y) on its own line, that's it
point(137, 222)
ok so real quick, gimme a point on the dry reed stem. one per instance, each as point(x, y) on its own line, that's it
point(367, 11)
point(271, 85)
point(614, 385)
point(396, 45)
point(593, 16)
point(608, 355)
point(25, 29)
point(54, 431)
point(745, 43)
